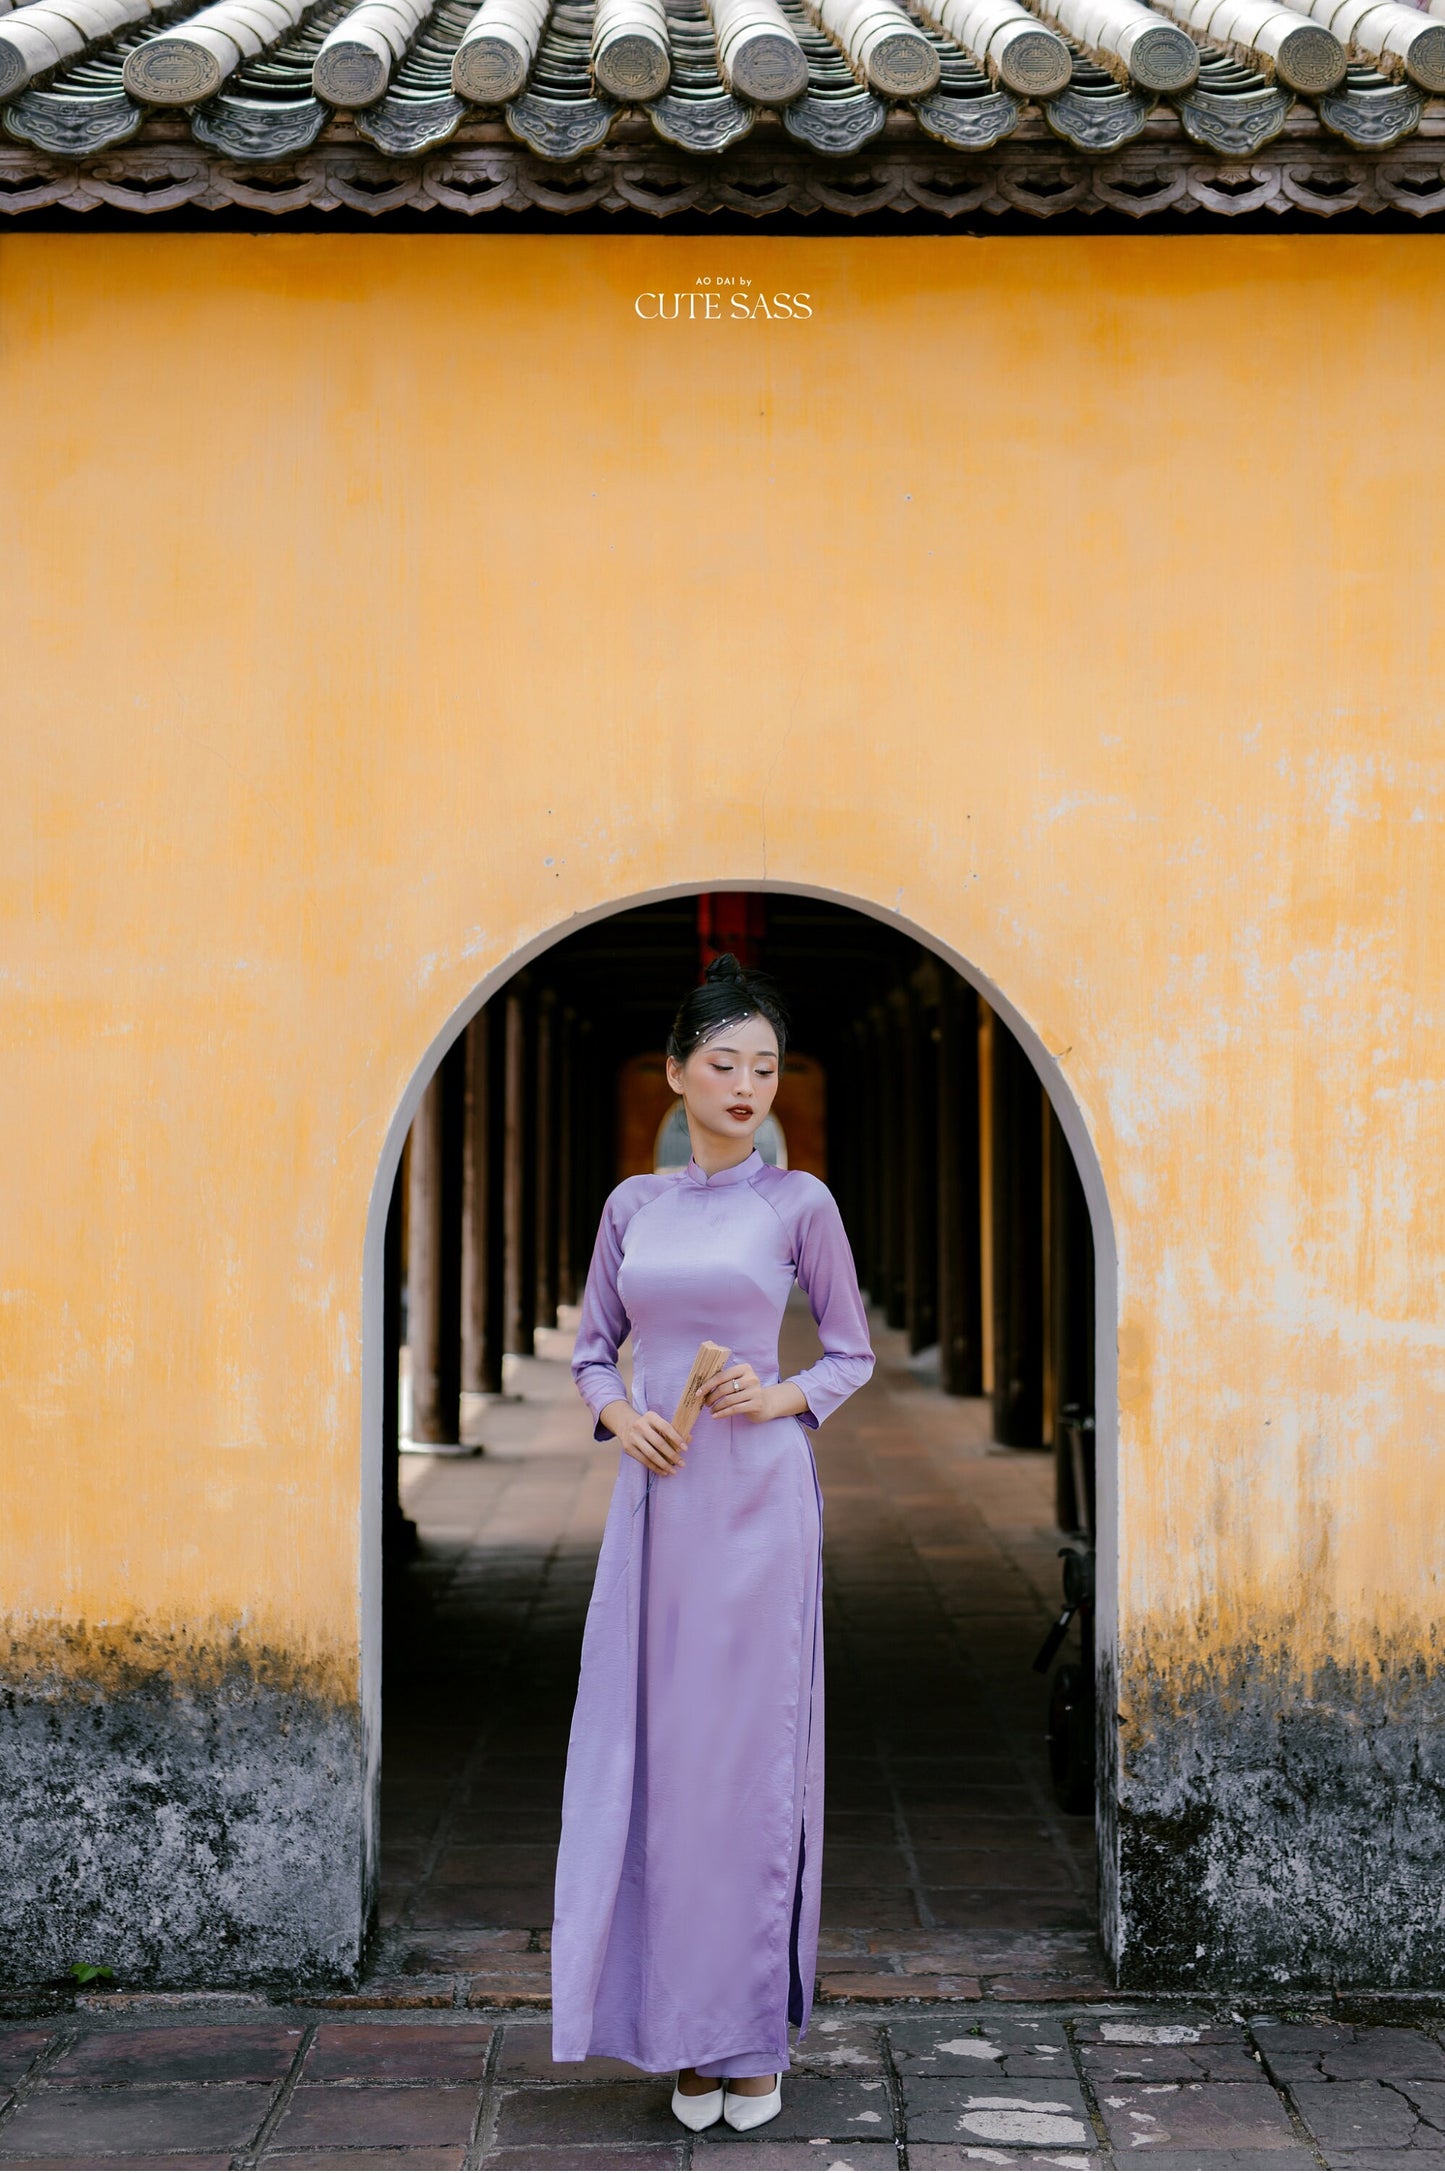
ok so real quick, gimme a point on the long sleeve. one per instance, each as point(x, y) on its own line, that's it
point(829, 1281)
point(603, 1326)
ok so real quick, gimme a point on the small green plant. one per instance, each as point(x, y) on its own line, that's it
point(87, 1972)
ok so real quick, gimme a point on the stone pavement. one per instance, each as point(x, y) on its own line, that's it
point(932, 2085)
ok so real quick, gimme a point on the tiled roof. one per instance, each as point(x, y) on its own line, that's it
point(949, 99)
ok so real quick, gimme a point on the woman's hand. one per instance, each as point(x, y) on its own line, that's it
point(738, 1393)
point(645, 1435)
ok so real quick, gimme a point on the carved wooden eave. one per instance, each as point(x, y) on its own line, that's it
point(484, 172)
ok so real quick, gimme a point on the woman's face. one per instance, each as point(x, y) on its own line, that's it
point(728, 1083)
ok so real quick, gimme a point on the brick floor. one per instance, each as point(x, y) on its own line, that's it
point(991, 2084)
point(947, 1868)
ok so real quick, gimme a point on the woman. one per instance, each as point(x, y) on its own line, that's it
point(689, 1869)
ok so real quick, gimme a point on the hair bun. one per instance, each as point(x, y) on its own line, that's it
point(724, 968)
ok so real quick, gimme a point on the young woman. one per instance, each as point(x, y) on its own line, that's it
point(689, 1870)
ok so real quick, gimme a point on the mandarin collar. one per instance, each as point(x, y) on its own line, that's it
point(737, 1174)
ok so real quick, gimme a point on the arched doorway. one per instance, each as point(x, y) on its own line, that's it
point(904, 1039)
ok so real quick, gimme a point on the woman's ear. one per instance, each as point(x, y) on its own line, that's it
point(674, 1074)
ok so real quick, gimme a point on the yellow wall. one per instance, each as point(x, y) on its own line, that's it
point(372, 603)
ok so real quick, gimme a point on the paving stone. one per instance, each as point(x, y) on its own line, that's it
point(990, 1869)
point(604, 2112)
point(1221, 2161)
point(1130, 2025)
point(505, 1989)
point(478, 1947)
point(526, 2056)
point(432, 2159)
point(1428, 2098)
point(91, 2124)
point(988, 2111)
point(573, 2158)
point(834, 2045)
point(1421, 2157)
point(1359, 2116)
point(19, 2050)
point(1218, 2116)
point(1000, 2046)
point(215, 2052)
point(341, 2116)
point(494, 1863)
point(1030, 1990)
point(398, 2052)
point(88, 2161)
point(949, 2159)
point(722, 2146)
point(1336, 2052)
point(387, 1992)
point(876, 1985)
point(1215, 2056)
point(852, 2108)
point(442, 1906)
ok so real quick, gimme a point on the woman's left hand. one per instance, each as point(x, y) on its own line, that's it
point(738, 1393)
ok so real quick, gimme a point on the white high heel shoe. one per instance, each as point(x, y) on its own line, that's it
point(700, 2110)
point(748, 2112)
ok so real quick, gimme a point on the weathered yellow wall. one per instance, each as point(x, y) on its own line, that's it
point(373, 603)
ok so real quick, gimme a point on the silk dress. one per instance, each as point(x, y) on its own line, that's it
point(689, 1870)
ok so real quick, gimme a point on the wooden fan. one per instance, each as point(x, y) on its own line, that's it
point(708, 1364)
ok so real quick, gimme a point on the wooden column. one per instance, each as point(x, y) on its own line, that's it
point(483, 1237)
point(519, 1189)
point(434, 1263)
point(893, 1158)
point(398, 1532)
point(566, 1215)
point(960, 1306)
point(1070, 1307)
point(920, 1158)
point(544, 1102)
point(1018, 1236)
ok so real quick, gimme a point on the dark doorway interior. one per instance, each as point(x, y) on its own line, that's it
point(949, 1856)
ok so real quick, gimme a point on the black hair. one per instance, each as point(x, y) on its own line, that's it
point(728, 994)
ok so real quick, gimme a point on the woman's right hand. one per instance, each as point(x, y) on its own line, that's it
point(645, 1435)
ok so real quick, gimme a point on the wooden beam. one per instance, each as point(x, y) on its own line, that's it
point(1156, 55)
point(354, 65)
point(1398, 39)
point(1285, 45)
point(1013, 46)
point(888, 50)
point(494, 59)
point(758, 52)
point(631, 57)
point(185, 66)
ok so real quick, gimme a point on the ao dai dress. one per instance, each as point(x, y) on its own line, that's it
point(689, 1872)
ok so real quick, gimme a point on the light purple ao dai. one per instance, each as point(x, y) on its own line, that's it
point(689, 1872)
